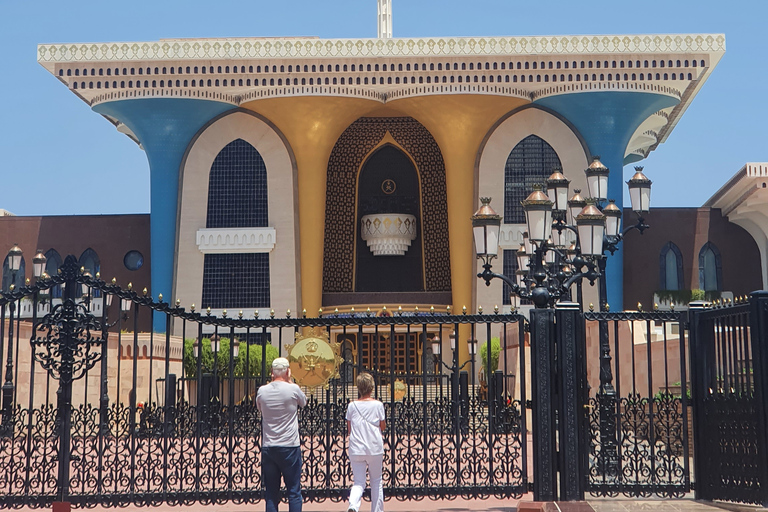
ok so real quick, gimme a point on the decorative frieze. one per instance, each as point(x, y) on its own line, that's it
point(388, 234)
point(235, 240)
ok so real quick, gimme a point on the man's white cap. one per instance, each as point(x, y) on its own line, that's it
point(280, 363)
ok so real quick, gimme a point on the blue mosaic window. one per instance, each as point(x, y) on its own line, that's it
point(52, 263)
point(529, 163)
point(237, 197)
point(510, 268)
point(236, 281)
point(90, 261)
point(710, 268)
point(133, 260)
point(670, 267)
point(237, 188)
point(9, 278)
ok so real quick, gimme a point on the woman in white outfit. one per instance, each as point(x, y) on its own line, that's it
point(365, 423)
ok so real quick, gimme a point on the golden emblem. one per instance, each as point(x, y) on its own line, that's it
point(314, 359)
point(388, 186)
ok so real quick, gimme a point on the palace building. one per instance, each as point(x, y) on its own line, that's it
point(307, 173)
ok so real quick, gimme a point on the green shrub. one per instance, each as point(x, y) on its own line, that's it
point(685, 296)
point(495, 352)
point(221, 360)
point(697, 294)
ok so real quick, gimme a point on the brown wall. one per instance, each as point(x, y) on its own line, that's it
point(689, 229)
point(111, 236)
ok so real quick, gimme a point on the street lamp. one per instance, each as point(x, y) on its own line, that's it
point(15, 256)
point(597, 179)
point(486, 224)
point(436, 347)
point(551, 261)
point(38, 264)
point(215, 343)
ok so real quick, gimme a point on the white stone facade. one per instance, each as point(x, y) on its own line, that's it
point(280, 239)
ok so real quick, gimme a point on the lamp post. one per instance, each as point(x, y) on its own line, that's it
point(15, 256)
point(549, 269)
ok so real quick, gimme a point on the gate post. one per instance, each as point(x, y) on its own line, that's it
point(759, 327)
point(542, 361)
point(67, 333)
point(572, 372)
point(700, 361)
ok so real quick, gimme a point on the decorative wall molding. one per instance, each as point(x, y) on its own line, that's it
point(235, 240)
point(280, 48)
point(511, 236)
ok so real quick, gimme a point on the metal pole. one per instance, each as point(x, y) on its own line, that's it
point(571, 404)
point(544, 446)
point(68, 341)
point(606, 396)
point(759, 327)
point(8, 387)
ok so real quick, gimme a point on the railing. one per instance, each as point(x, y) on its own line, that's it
point(730, 399)
point(94, 417)
point(639, 423)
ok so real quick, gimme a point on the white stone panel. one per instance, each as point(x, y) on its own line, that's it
point(282, 200)
point(235, 240)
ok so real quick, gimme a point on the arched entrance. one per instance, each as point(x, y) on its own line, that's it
point(388, 202)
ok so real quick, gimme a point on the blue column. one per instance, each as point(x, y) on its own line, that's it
point(165, 127)
point(606, 120)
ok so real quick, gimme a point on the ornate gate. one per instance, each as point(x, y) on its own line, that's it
point(730, 394)
point(96, 413)
point(638, 402)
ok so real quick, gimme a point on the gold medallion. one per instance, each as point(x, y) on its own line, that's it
point(314, 359)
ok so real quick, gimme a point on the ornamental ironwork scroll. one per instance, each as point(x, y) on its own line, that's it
point(65, 345)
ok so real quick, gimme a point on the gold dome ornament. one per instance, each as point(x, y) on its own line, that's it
point(314, 359)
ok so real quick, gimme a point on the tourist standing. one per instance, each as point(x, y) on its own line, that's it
point(365, 423)
point(279, 402)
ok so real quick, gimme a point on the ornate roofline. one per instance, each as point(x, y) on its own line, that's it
point(287, 48)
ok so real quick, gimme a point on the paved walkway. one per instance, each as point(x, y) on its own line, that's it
point(460, 505)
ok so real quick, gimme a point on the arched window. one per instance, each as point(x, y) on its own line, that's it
point(52, 264)
point(510, 270)
point(9, 278)
point(670, 267)
point(528, 164)
point(237, 197)
point(710, 268)
point(90, 261)
point(237, 188)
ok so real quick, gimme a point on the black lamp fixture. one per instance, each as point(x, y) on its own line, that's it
point(566, 238)
point(38, 264)
point(15, 256)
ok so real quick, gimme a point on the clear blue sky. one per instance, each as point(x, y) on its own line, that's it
point(59, 157)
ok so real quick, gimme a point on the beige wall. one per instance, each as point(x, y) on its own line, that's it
point(281, 184)
point(120, 371)
point(490, 175)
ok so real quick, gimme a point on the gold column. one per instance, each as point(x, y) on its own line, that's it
point(459, 123)
point(311, 125)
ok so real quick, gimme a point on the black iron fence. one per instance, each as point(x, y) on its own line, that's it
point(96, 413)
point(730, 384)
point(639, 417)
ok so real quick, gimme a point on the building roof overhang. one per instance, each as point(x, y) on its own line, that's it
point(242, 70)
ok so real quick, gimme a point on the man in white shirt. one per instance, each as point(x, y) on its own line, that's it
point(279, 402)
